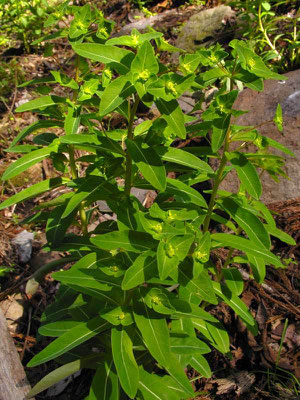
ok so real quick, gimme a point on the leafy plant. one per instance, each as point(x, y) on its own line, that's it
point(23, 20)
point(272, 33)
point(135, 304)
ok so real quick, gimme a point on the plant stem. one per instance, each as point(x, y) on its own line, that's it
point(264, 32)
point(128, 156)
point(216, 184)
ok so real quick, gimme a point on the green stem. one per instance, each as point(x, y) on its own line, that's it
point(264, 32)
point(73, 167)
point(128, 171)
point(216, 184)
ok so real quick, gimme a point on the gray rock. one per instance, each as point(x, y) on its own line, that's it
point(262, 107)
point(23, 241)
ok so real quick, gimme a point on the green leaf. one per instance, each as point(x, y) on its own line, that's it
point(247, 246)
point(25, 162)
point(172, 251)
point(234, 280)
point(220, 127)
point(165, 261)
point(41, 102)
point(154, 330)
point(34, 190)
point(188, 345)
point(173, 115)
point(143, 269)
point(246, 172)
point(72, 120)
point(58, 328)
point(182, 157)
point(117, 315)
point(126, 366)
point(200, 364)
point(115, 94)
point(155, 334)
point(284, 237)
point(97, 142)
point(238, 306)
point(149, 163)
point(188, 194)
point(57, 225)
point(219, 335)
point(258, 267)
point(200, 286)
point(117, 58)
point(249, 222)
point(91, 185)
point(105, 384)
point(154, 387)
point(55, 376)
point(278, 118)
point(91, 278)
point(79, 334)
point(35, 127)
point(127, 240)
point(252, 62)
point(189, 310)
point(272, 143)
point(145, 61)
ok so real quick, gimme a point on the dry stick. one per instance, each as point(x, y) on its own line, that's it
point(27, 334)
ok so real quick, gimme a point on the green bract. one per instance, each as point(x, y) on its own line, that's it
point(134, 301)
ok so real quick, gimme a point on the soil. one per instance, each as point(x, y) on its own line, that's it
point(261, 367)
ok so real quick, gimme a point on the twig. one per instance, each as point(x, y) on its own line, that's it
point(27, 333)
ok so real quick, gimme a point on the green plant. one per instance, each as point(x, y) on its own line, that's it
point(135, 304)
point(23, 20)
point(272, 34)
point(11, 75)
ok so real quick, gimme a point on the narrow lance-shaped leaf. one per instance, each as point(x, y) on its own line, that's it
point(80, 334)
point(154, 387)
point(91, 278)
point(72, 120)
point(57, 226)
point(25, 162)
point(34, 127)
point(238, 306)
point(220, 127)
point(234, 280)
point(115, 94)
point(249, 222)
point(187, 193)
point(44, 101)
point(59, 374)
point(127, 240)
point(105, 384)
point(149, 163)
point(126, 366)
point(58, 328)
point(34, 190)
point(258, 267)
point(92, 184)
point(119, 58)
point(143, 268)
point(182, 157)
point(145, 60)
point(246, 172)
point(247, 246)
point(200, 364)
